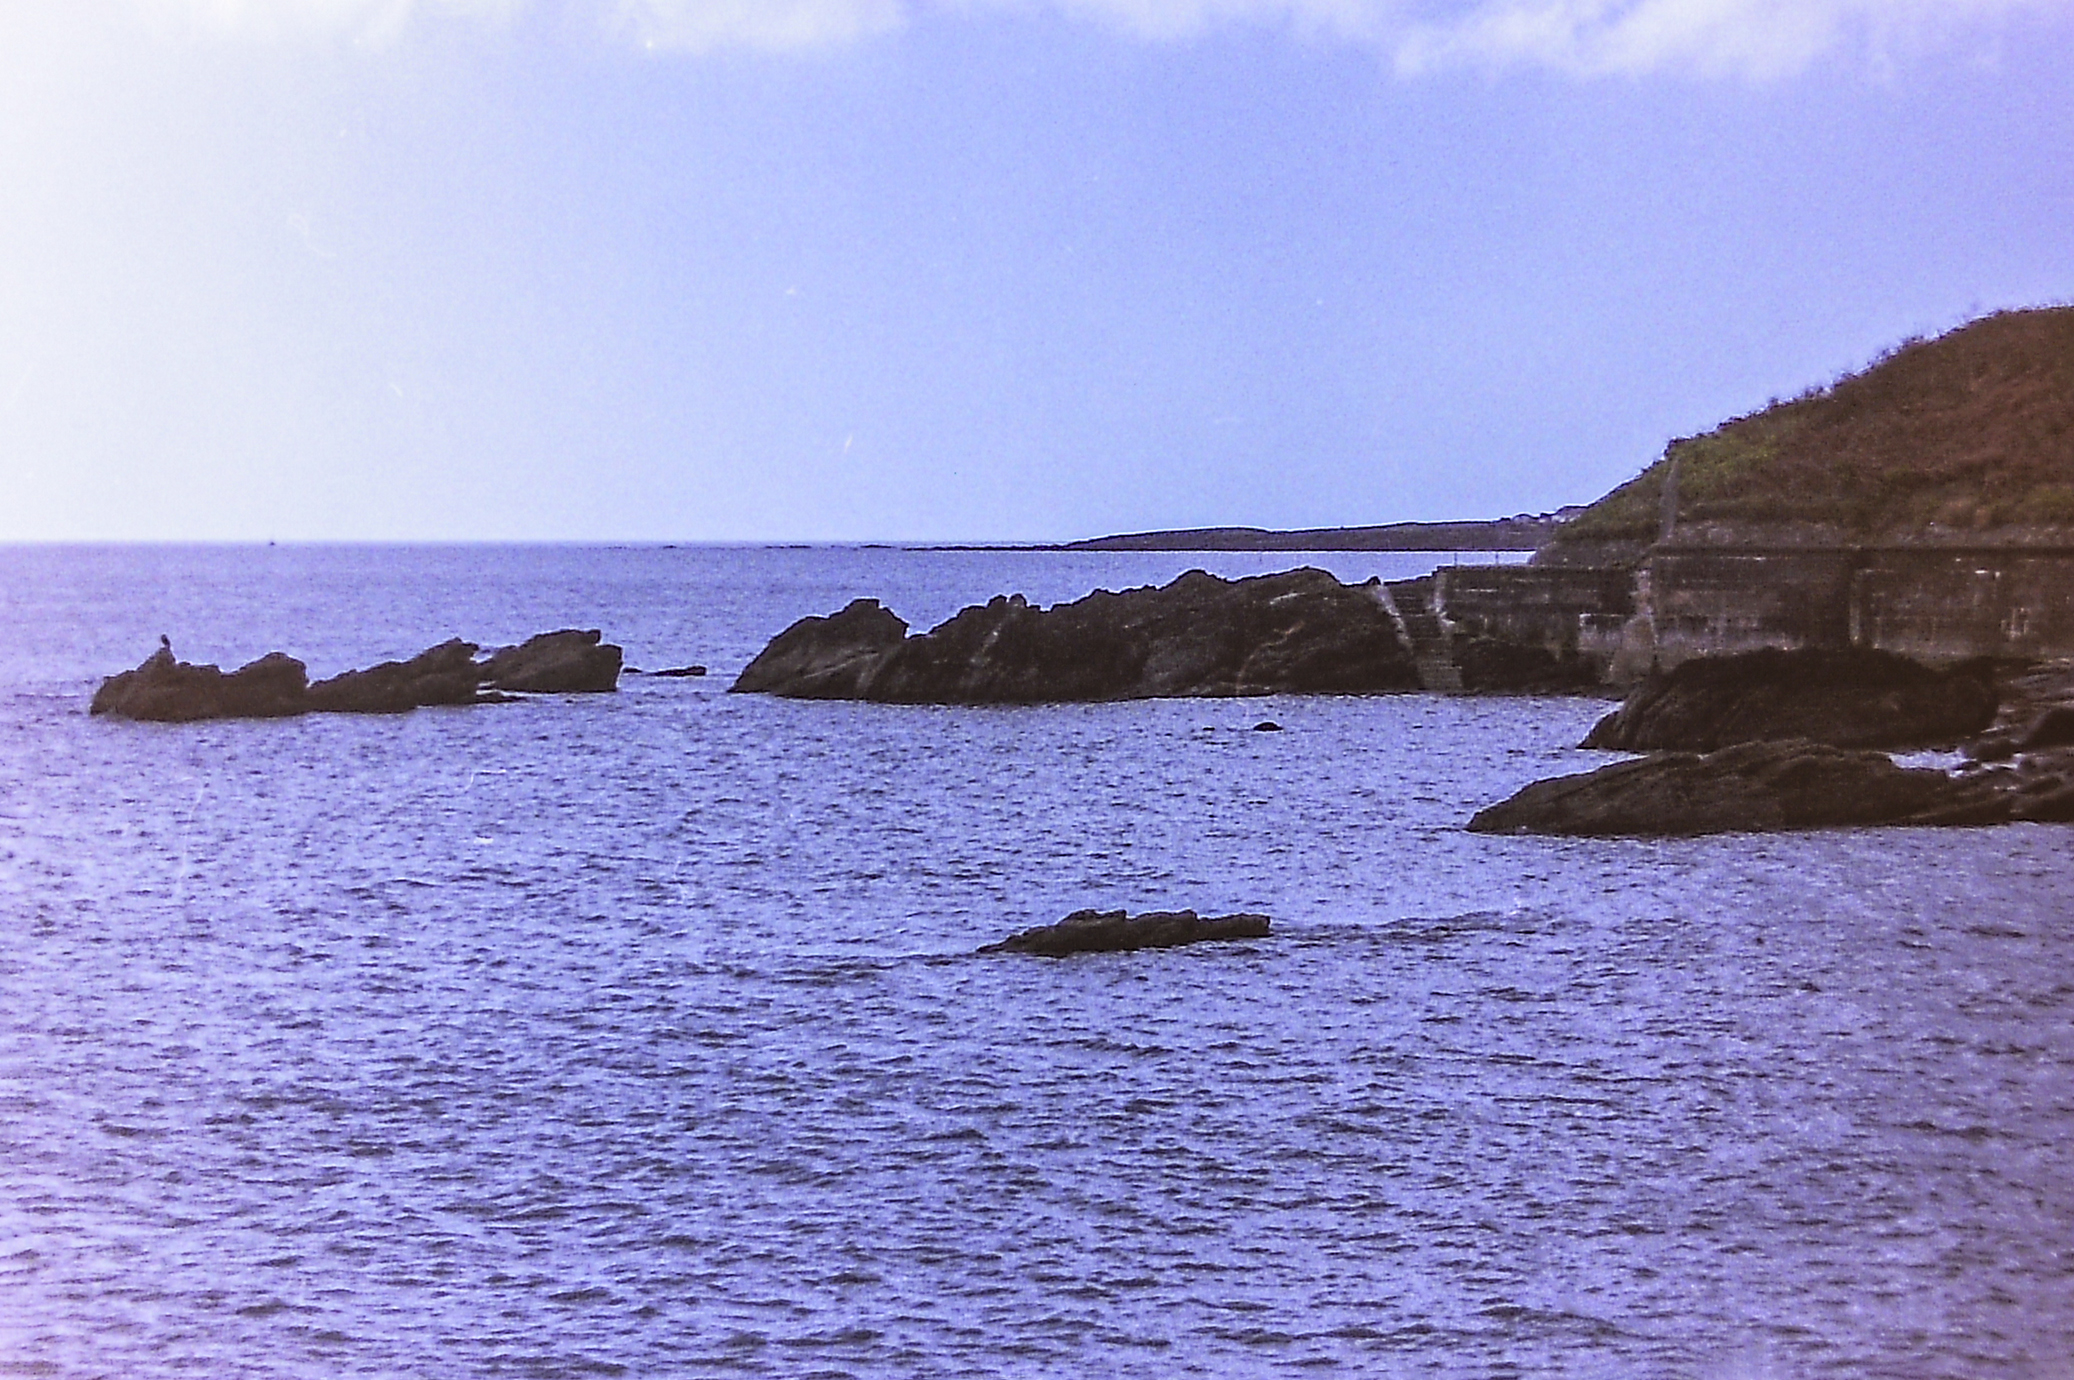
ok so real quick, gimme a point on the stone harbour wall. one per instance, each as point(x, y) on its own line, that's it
point(1952, 604)
point(1577, 608)
point(1711, 601)
point(1936, 603)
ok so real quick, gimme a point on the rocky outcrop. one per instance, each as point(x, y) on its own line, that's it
point(2036, 713)
point(1850, 697)
point(2038, 785)
point(1114, 931)
point(278, 686)
point(574, 661)
point(171, 691)
point(1751, 787)
point(830, 658)
point(446, 674)
point(2052, 729)
point(1297, 632)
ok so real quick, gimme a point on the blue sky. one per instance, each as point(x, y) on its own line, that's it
point(969, 269)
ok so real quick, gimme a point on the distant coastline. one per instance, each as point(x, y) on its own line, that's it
point(1528, 532)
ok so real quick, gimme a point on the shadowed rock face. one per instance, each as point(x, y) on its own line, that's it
point(1491, 665)
point(825, 658)
point(1754, 787)
point(278, 686)
point(1852, 698)
point(1113, 931)
point(446, 674)
point(570, 662)
point(1297, 632)
point(170, 691)
point(2051, 729)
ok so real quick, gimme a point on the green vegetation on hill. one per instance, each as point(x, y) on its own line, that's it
point(1970, 431)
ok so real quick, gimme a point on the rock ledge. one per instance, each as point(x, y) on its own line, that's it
point(1114, 931)
point(166, 690)
point(1845, 697)
point(1751, 787)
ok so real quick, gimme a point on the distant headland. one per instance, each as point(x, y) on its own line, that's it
point(1526, 532)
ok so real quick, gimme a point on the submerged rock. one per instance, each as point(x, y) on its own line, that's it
point(1851, 698)
point(278, 686)
point(1114, 931)
point(1298, 632)
point(1751, 787)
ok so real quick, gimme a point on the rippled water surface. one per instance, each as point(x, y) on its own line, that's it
point(641, 1034)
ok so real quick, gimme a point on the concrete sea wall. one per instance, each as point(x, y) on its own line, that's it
point(1937, 603)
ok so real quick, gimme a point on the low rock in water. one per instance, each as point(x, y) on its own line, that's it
point(574, 661)
point(1848, 697)
point(1114, 931)
point(1752, 787)
point(275, 686)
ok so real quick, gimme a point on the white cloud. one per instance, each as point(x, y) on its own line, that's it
point(1361, 20)
point(700, 25)
point(1747, 38)
point(1743, 38)
point(368, 20)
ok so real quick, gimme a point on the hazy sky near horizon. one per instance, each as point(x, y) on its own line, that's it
point(970, 269)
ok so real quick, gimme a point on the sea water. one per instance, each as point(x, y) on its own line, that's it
point(642, 1034)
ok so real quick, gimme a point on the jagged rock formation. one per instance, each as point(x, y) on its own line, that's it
point(574, 661)
point(1297, 632)
point(830, 658)
point(2037, 711)
point(169, 691)
point(1114, 931)
point(278, 686)
point(1754, 787)
point(446, 674)
point(1847, 697)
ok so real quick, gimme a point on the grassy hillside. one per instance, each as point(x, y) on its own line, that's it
point(1971, 431)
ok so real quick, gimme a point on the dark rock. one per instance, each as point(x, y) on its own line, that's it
point(169, 691)
point(1297, 632)
point(1113, 931)
point(277, 686)
point(572, 661)
point(1853, 698)
point(2048, 800)
point(1992, 747)
point(2054, 728)
point(825, 658)
point(446, 674)
point(680, 672)
point(1493, 666)
point(1267, 726)
point(1749, 787)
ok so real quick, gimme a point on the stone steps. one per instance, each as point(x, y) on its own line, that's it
point(1411, 603)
